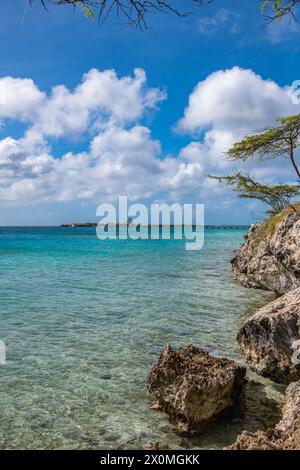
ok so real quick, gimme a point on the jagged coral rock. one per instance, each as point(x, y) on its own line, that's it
point(285, 436)
point(270, 257)
point(270, 339)
point(194, 387)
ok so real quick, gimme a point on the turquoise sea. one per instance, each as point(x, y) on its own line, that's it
point(84, 320)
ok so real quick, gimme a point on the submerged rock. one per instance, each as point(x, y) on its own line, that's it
point(260, 408)
point(155, 446)
point(270, 339)
point(194, 387)
point(285, 436)
point(270, 256)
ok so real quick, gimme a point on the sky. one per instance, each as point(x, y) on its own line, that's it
point(91, 112)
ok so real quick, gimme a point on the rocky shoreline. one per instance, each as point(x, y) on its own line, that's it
point(195, 388)
point(269, 339)
point(270, 256)
point(284, 436)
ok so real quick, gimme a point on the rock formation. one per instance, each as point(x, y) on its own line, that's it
point(194, 387)
point(270, 339)
point(285, 436)
point(270, 256)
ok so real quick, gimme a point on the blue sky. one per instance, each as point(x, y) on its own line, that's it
point(168, 145)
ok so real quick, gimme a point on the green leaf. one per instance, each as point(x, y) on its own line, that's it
point(88, 11)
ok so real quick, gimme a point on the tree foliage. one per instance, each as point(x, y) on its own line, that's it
point(277, 197)
point(276, 142)
point(280, 141)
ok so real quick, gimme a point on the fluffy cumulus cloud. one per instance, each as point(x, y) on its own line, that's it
point(118, 160)
point(102, 97)
point(121, 156)
point(237, 101)
point(19, 99)
point(226, 106)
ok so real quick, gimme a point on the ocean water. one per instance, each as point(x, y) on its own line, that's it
point(84, 320)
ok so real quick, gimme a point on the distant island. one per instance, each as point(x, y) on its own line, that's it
point(86, 224)
point(94, 224)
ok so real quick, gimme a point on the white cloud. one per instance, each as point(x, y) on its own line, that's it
point(118, 160)
point(19, 99)
point(221, 110)
point(121, 153)
point(223, 18)
point(121, 156)
point(235, 100)
point(228, 105)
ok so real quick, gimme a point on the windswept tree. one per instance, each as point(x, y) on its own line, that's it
point(278, 197)
point(281, 142)
point(136, 11)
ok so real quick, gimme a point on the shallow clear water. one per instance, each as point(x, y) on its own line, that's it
point(84, 320)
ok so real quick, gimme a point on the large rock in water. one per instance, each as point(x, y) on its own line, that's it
point(194, 387)
point(285, 436)
point(270, 339)
point(270, 256)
